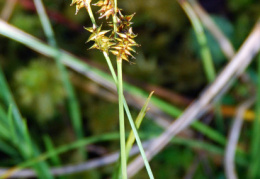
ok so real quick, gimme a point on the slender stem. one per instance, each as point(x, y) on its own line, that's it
point(111, 68)
point(114, 18)
point(131, 121)
point(88, 7)
point(115, 3)
point(121, 118)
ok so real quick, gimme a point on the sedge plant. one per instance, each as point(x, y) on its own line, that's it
point(81, 67)
point(76, 64)
point(120, 43)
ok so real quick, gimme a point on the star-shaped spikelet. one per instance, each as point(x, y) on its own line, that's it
point(107, 8)
point(102, 42)
point(80, 4)
point(124, 22)
point(124, 46)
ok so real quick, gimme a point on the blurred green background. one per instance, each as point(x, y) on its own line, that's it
point(168, 58)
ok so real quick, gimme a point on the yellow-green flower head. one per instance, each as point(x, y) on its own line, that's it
point(124, 46)
point(124, 22)
point(107, 8)
point(80, 4)
point(102, 42)
point(122, 50)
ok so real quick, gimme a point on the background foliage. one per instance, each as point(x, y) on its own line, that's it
point(168, 58)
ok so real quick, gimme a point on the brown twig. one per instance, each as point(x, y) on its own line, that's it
point(235, 130)
point(222, 83)
point(192, 169)
point(8, 9)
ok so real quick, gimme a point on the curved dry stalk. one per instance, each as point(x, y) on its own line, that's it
point(222, 83)
point(229, 158)
point(8, 9)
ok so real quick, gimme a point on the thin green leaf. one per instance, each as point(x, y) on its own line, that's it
point(138, 121)
point(12, 128)
point(4, 132)
point(59, 150)
point(131, 137)
point(8, 149)
point(50, 148)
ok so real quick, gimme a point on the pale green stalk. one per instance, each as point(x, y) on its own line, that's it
point(91, 15)
point(114, 17)
point(131, 121)
point(131, 137)
point(121, 118)
point(110, 66)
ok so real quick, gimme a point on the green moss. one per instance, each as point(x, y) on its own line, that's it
point(39, 89)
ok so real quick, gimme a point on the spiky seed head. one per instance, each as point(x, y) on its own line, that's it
point(80, 4)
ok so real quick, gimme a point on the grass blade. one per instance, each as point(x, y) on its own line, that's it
point(50, 148)
point(254, 169)
point(204, 52)
point(72, 101)
point(131, 137)
point(138, 121)
point(59, 150)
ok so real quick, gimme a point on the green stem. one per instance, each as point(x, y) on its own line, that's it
point(110, 66)
point(121, 118)
point(131, 121)
point(114, 18)
point(92, 18)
